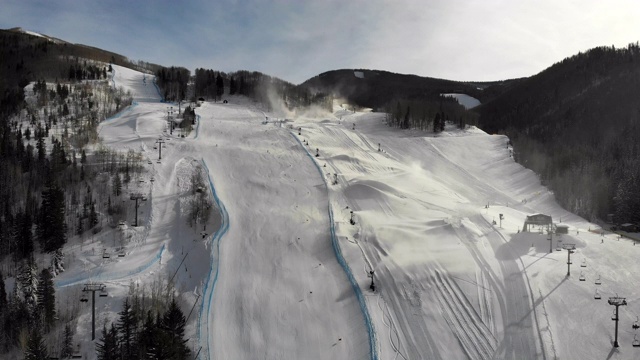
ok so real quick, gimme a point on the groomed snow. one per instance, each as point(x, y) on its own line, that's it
point(450, 284)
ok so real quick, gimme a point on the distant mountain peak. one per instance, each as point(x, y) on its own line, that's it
point(37, 34)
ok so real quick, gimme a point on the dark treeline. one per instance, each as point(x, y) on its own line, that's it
point(576, 124)
point(46, 180)
point(173, 82)
point(143, 331)
point(26, 58)
point(211, 84)
point(374, 88)
point(428, 115)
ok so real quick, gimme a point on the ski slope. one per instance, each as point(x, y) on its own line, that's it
point(284, 274)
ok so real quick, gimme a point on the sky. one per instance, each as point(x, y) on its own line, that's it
point(465, 40)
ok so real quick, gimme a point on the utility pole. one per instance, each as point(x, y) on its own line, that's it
point(617, 302)
point(550, 240)
point(160, 142)
point(136, 197)
point(93, 288)
point(501, 217)
point(571, 248)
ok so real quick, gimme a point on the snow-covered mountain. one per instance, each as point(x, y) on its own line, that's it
point(311, 206)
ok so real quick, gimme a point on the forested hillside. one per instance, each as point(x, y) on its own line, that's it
point(576, 124)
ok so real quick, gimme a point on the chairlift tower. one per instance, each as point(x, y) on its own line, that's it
point(93, 287)
point(571, 248)
point(617, 302)
point(550, 240)
point(160, 142)
point(136, 197)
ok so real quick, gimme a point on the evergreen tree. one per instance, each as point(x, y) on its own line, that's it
point(127, 330)
point(407, 117)
point(117, 185)
point(36, 349)
point(52, 228)
point(24, 236)
point(436, 123)
point(173, 323)
point(107, 347)
point(3, 295)
point(145, 337)
point(4, 314)
point(232, 86)
point(93, 216)
point(161, 342)
point(47, 299)
point(219, 86)
point(66, 350)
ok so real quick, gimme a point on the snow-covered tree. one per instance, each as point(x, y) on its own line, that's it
point(57, 263)
point(28, 285)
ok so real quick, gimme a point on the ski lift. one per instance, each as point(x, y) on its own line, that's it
point(597, 295)
point(105, 254)
point(636, 324)
point(598, 281)
point(155, 147)
point(84, 298)
point(636, 342)
point(149, 162)
point(103, 293)
point(152, 179)
point(583, 263)
point(613, 316)
point(558, 248)
point(121, 253)
point(582, 278)
point(158, 162)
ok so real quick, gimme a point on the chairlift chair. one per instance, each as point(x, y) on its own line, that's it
point(582, 278)
point(84, 298)
point(636, 342)
point(597, 295)
point(103, 293)
point(584, 263)
point(636, 324)
point(105, 255)
point(149, 162)
point(613, 316)
point(598, 281)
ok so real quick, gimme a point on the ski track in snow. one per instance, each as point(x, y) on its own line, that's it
point(343, 263)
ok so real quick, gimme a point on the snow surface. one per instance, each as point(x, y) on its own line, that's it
point(275, 276)
point(465, 100)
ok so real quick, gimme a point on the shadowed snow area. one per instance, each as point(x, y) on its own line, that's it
point(449, 282)
point(465, 100)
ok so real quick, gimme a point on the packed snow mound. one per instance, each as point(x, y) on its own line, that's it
point(465, 100)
